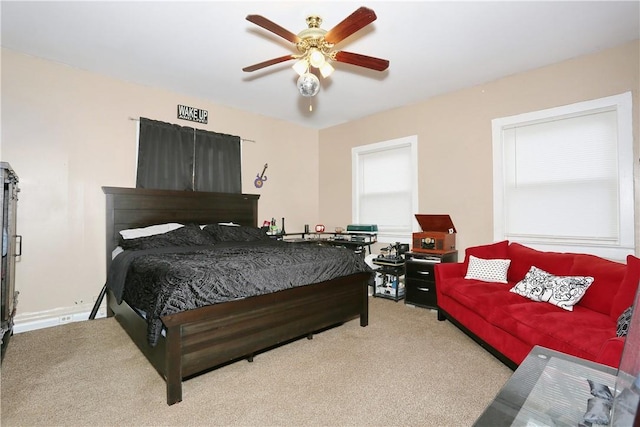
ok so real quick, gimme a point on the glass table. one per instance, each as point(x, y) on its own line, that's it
point(549, 388)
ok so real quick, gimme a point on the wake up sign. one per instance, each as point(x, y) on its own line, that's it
point(193, 114)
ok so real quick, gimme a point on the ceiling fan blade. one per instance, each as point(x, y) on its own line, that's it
point(273, 27)
point(264, 64)
point(362, 60)
point(362, 17)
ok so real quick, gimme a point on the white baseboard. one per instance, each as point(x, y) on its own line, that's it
point(58, 316)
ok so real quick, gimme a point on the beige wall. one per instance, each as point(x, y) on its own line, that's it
point(455, 141)
point(66, 132)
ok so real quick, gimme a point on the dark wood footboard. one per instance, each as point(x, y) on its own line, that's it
point(201, 339)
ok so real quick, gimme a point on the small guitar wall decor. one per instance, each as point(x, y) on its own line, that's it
point(261, 178)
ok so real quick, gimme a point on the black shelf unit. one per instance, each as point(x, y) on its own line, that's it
point(10, 250)
point(388, 283)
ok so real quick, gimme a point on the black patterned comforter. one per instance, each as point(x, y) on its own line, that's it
point(165, 281)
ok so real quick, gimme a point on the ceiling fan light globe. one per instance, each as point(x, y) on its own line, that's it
point(316, 58)
point(326, 69)
point(301, 66)
point(308, 85)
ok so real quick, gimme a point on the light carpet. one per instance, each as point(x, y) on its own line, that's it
point(404, 369)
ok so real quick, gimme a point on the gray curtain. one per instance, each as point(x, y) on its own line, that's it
point(217, 162)
point(165, 156)
point(173, 157)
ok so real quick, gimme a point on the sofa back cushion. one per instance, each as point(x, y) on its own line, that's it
point(607, 277)
point(523, 257)
point(496, 250)
point(628, 287)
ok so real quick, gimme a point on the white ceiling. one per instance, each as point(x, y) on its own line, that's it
point(199, 48)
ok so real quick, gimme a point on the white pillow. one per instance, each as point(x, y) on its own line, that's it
point(117, 251)
point(563, 291)
point(151, 230)
point(230, 224)
point(488, 270)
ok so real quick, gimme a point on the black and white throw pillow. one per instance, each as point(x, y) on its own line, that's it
point(562, 291)
point(624, 320)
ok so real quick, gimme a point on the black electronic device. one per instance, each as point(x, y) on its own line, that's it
point(392, 255)
point(391, 261)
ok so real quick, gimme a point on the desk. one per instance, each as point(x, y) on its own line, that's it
point(357, 242)
point(548, 389)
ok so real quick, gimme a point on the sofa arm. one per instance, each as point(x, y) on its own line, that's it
point(449, 270)
point(611, 352)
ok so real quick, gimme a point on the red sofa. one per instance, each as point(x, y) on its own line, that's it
point(510, 325)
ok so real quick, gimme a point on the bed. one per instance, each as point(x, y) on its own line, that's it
point(197, 340)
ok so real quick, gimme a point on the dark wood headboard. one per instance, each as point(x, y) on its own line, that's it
point(139, 207)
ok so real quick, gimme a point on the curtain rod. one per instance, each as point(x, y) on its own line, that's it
point(241, 139)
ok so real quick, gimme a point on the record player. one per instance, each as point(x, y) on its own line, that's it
point(438, 234)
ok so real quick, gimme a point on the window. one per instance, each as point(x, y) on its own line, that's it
point(385, 187)
point(563, 178)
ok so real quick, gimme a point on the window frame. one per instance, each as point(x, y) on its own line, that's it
point(622, 105)
point(356, 152)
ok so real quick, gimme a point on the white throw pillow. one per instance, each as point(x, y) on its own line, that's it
point(488, 270)
point(230, 224)
point(152, 230)
point(563, 291)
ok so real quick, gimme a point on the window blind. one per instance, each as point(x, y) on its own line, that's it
point(561, 178)
point(385, 187)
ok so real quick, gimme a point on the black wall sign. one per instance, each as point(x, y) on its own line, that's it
point(193, 114)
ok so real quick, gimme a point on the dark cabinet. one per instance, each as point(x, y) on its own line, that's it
point(420, 281)
point(10, 250)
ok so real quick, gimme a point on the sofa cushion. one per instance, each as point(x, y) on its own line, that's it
point(628, 288)
point(507, 344)
point(484, 298)
point(496, 250)
point(563, 291)
point(610, 352)
point(522, 258)
point(580, 332)
point(488, 270)
point(607, 277)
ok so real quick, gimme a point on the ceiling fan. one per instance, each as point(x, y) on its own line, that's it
point(316, 48)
